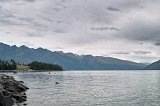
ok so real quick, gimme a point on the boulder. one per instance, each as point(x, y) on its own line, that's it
point(11, 91)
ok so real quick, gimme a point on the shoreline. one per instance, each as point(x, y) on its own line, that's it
point(21, 71)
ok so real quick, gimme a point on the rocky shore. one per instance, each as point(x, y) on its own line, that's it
point(11, 91)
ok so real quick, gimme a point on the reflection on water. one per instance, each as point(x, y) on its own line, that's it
point(113, 88)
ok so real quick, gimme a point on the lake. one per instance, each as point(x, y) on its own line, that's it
point(92, 88)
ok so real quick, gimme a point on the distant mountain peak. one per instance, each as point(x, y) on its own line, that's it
point(23, 46)
point(14, 46)
point(2, 44)
point(40, 48)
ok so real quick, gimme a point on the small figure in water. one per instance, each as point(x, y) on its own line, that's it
point(57, 82)
point(49, 73)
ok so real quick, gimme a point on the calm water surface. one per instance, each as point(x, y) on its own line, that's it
point(111, 88)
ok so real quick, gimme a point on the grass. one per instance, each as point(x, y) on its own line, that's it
point(23, 68)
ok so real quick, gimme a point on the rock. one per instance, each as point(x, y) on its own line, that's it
point(20, 81)
point(19, 98)
point(11, 91)
point(5, 99)
point(15, 72)
point(25, 104)
point(21, 87)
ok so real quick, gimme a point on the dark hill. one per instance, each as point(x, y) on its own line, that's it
point(153, 66)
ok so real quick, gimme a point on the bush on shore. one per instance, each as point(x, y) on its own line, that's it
point(44, 66)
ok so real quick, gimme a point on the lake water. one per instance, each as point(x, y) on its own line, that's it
point(111, 88)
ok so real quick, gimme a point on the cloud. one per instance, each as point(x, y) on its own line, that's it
point(157, 43)
point(122, 53)
point(142, 31)
point(18, 0)
point(142, 52)
point(105, 28)
point(142, 25)
point(30, 0)
point(113, 9)
point(84, 26)
point(59, 31)
point(138, 52)
point(27, 44)
point(33, 35)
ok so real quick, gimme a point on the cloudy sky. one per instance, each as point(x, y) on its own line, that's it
point(125, 29)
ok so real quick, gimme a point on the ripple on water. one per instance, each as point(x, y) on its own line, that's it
point(117, 88)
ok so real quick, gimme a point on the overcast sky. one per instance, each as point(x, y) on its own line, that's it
point(125, 29)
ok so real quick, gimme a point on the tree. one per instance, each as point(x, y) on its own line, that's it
point(44, 66)
point(5, 65)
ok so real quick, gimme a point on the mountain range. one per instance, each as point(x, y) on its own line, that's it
point(68, 61)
